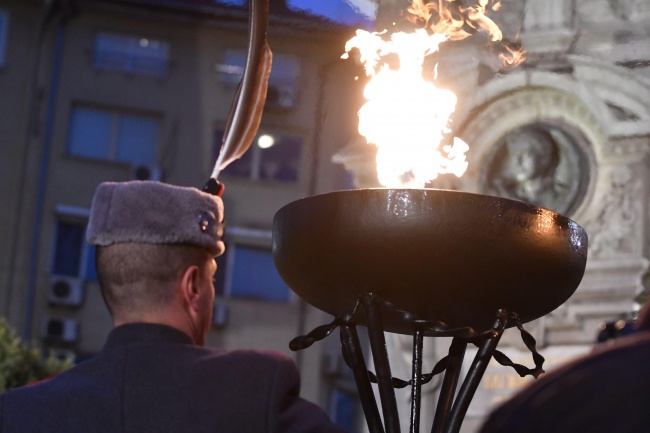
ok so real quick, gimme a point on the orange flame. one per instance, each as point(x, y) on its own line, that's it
point(451, 18)
point(406, 116)
point(511, 57)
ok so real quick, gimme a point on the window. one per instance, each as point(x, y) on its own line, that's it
point(240, 3)
point(273, 156)
point(113, 136)
point(343, 408)
point(4, 24)
point(131, 54)
point(283, 80)
point(73, 256)
point(248, 272)
point(356, 13)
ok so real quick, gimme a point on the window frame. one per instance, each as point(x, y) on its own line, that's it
point(129, 57)
point(73, 215)
point(348, 391)
point(256, 157)
point(117, 116)
point(4, 36)
point(246, 238)
point(229, 75)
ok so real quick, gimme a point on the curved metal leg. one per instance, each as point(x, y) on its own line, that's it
point(449, 383)
point(450, 412)
point(471, 382)
point(382, 365)
point(416, 381)
point(352, 347)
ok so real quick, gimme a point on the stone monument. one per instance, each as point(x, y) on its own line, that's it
point(568, 130)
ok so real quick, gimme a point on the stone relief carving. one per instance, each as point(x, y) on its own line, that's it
point(611, 231)
point(546, 14)
point(538, 164)
point(633, 10)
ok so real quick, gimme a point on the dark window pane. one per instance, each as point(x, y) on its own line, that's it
point(254, 276)
point(240, 3)
point(4, 23)
point(220, 275)
point(131, 54)
point(231, 70)
point(137, 140)
point(280, 162)
point(91, 272)
point(111, 52)
point(90, 133)
point(242, 167)
point(148, 56)
point(67, 249)
point(344, 408)
point(113, 136)
point(218, 141)
point(283, 80)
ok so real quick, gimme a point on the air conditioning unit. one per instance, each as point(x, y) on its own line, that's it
point(60, 330)
point(62, 354)
point(65, 291)
point(146, 172)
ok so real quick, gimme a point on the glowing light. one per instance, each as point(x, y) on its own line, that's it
point(407, 116)
point(265, 141)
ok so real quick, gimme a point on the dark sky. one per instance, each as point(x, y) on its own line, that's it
point(341, 11)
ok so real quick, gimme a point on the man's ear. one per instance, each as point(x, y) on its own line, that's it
point(190, 287)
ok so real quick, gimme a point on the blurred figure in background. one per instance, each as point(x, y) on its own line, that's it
point(605, 391)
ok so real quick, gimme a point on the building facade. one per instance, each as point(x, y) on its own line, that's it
point(94, 91)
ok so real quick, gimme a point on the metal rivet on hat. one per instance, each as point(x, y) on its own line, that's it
point(205, 221)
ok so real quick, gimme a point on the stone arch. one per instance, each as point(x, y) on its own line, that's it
point(604, 108)
point(614, 86)
point(493, 120)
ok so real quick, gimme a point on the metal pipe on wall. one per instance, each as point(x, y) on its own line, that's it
point(64, 10)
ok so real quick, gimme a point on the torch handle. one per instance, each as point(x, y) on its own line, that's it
point(214, 187)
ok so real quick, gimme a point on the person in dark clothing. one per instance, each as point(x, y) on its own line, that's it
point(156, 245)
point(605, 391)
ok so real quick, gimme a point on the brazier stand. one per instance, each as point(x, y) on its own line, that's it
point(426, 262)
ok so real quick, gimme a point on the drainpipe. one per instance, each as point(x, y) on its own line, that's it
point(32, 111)
point(63, 9)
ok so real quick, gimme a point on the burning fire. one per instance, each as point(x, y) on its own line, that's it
point(406, 116)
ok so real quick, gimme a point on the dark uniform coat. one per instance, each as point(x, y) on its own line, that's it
point(607, 391)
point(151, 378)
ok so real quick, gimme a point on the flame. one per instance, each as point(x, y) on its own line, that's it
point(406, 116)
point(511, 57)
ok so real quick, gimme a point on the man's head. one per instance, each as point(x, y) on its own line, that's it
point(532, 153)
point(156, 245)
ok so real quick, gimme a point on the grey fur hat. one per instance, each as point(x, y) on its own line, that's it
point(155, 213)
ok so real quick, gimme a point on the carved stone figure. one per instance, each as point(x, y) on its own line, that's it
point(536, 165)
point(614, 225)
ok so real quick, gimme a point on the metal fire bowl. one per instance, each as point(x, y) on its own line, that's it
point(432, 255)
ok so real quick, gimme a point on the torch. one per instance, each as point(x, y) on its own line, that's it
point(423, 262)
point(246, 111)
